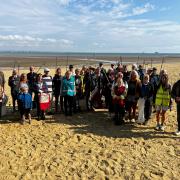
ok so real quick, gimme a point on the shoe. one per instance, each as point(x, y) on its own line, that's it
point(162, 128)
point(177, 133)
point(157, 127)
point(133, 120)
point(145, 122)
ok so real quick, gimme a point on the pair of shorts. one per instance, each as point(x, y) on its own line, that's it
point(162, 108)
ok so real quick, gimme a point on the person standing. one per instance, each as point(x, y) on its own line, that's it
point(145, 101)
point(119, 92)
point(78, 85)
point(163, 101)
point(13, 82)
point(68, 92)
point(133, 93)
point(24, 104)
point(46, 78)
point(40, 87)
point(56, 85)
point(31, 77)
point(2, 84)
point(176, 96)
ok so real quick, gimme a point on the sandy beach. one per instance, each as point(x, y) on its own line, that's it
point(89, 146)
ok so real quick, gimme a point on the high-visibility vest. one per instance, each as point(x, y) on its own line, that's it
point(162, 97)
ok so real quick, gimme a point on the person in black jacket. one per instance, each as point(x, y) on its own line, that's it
point(31, 77)
point(146, 95)
point(89, 86)
point(78, 85)
point(13, 82)
point(56, 85)
point(176, 95)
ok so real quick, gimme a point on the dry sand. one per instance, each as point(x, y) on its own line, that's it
point(89, 146)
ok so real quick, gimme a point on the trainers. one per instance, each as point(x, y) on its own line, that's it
point(157, 127)
point(133, 121)
point(162, 128)
point(177, 133)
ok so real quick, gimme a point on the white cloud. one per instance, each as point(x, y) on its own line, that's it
point(63, 2)
point(141, 10)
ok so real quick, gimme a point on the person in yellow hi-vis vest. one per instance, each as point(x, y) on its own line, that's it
point(163, 101)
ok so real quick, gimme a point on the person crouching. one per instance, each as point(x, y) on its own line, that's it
point(24, 104)
point(119, 92)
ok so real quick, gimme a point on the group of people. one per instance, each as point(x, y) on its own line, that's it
point(130, 94)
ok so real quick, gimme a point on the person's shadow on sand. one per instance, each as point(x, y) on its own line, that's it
point(99, 123)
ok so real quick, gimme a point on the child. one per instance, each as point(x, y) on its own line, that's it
point(24, 104)
point(163, 101)
point(145, 101)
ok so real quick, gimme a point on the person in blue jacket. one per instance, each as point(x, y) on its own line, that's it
point(68, 92)
point(24, 104)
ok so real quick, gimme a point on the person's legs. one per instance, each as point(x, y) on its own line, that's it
point(158, 111)
point(65, 104)
point(178, 116)
point(134, 107)
point(22, 114)
point(116, 117)
point(56, 102)
point(14, 103)
point(61, 103)
point(70, 103)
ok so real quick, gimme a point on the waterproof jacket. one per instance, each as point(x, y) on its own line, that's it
point(24, 101)
point(176, 91)
point(68, 86)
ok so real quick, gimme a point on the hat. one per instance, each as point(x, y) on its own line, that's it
point(46, 70)
point(70, 66)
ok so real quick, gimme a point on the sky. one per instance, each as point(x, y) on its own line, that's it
point(90, 25)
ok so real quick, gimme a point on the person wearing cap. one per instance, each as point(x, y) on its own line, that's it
point(154, 80)
point(40, 87)
point(13, 82)
point(141, 72)
point(176, 96)
point(71, 69)
point(31, 77)
point(46, 78)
